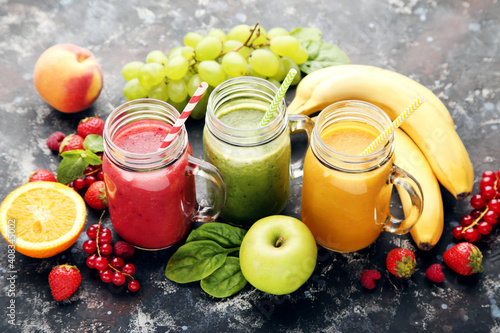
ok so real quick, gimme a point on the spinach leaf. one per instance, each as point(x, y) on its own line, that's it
point(306, 34)
point(221, 233)
point(227, 280)
point(322, 54)
point(195, 261)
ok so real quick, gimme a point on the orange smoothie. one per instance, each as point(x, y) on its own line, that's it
point(345, 210)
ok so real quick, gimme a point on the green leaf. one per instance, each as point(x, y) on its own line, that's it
point(72, 166)
point(227, 280)
point(306, 34)
point(195, 261)
point(322, 54)
point(221, 233)
point(93, 143)
point(92, 158)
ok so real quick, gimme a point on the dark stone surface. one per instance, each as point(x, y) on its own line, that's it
point(450, 46)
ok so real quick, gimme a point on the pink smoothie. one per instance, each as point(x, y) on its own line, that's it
point(150, 209)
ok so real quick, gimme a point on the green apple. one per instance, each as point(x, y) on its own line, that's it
point(278, 254)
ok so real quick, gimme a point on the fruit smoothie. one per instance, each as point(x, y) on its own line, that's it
point(345, 210)
point(144, 205)
point(257, 177)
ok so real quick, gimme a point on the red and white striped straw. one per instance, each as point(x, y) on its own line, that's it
point(184, 115)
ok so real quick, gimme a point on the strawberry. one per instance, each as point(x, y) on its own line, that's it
point(71, 142)
point(92, 125)
point(96, 195)
point(64, 281)
point(464, 258)
point(435, 273)
point(42, 175)
point(54, 140)
point(369, 278)
point(401, 262)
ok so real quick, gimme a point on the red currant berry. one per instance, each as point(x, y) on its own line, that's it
point(72, 185)
point(487, 181)
point(476, 213)
point(457, 232)
point(477, 201)
point(472, 235)
point(484, 228)
point(88, 170)
point(105, 237)
point(128, 269)
point(92, 231)
point(466, 220)
point(117, 263)
point(494, 205)
point(133, 286)
point(89, 180)
point(79, 183)
point(105, 230)
point(489, 173)
point(106, 249)
point(491, 217)
point(101, 263)
point(118, 278)
point(91, 261)
point(489, 192)
point(100, 175)
point(89, 246)
point(106, 275)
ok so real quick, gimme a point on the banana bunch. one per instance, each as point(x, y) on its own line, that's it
point(431, 129)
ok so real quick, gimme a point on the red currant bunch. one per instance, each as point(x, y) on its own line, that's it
point(91, 174)
point(485, 210)
point(112, 268)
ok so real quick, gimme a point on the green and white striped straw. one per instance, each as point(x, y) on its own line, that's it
point(278, 97)
point(394, 125)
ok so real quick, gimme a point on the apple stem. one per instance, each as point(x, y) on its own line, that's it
point(279, 242)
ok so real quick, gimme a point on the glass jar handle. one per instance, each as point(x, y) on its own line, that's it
point(299, 123)
point(406, 183)
point(215, 189)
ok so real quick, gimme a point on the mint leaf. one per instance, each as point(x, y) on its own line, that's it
point(92, 158)
point(72, 166)
point(93, 143)
point(306, 34)
point(322, 54)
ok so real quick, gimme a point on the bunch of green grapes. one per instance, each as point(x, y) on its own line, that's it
point(213, 58)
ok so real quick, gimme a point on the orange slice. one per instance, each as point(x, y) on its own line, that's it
point(42, 219)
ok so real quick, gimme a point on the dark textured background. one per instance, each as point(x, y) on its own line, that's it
point(450, 46)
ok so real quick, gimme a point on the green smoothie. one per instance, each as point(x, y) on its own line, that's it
point(257, 177)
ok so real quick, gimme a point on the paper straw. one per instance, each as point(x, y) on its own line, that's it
point(278, 97)
point(394, 125)
point(184, 115)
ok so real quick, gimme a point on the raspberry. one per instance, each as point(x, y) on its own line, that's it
point(435, 273)
point(369, 278)
point(123, 249)
point(54, 140)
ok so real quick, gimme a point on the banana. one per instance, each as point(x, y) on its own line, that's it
point(430, 127)
point(429, 228)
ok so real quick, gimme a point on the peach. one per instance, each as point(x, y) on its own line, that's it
point(68, 77)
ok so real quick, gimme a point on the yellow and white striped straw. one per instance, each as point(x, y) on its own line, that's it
point(278, 97)
point(394, 125)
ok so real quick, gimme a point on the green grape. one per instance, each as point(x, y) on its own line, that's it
point(159, 92)
point(264, 62)
point(177, 90)
point(277, 31)
point(219, 34)
point(187, 52)
point(179, 105)
point(157, 56)
point(240, 32)
point(175, 51)
point(282, 72)
point(275, 82)
point(211, 72)
point(245, 51)
point(192, 38)
point(200, 109)
point(288, 63)
point(133, 89)
point(284, 45)
point(208, 48)
point(259, 36)
point(131, 70)
point(193, 84)
point(177, 67)
point(300, 56)
point(231, 45)
point(252, 72)
point(151, 74)
point(234, 64)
